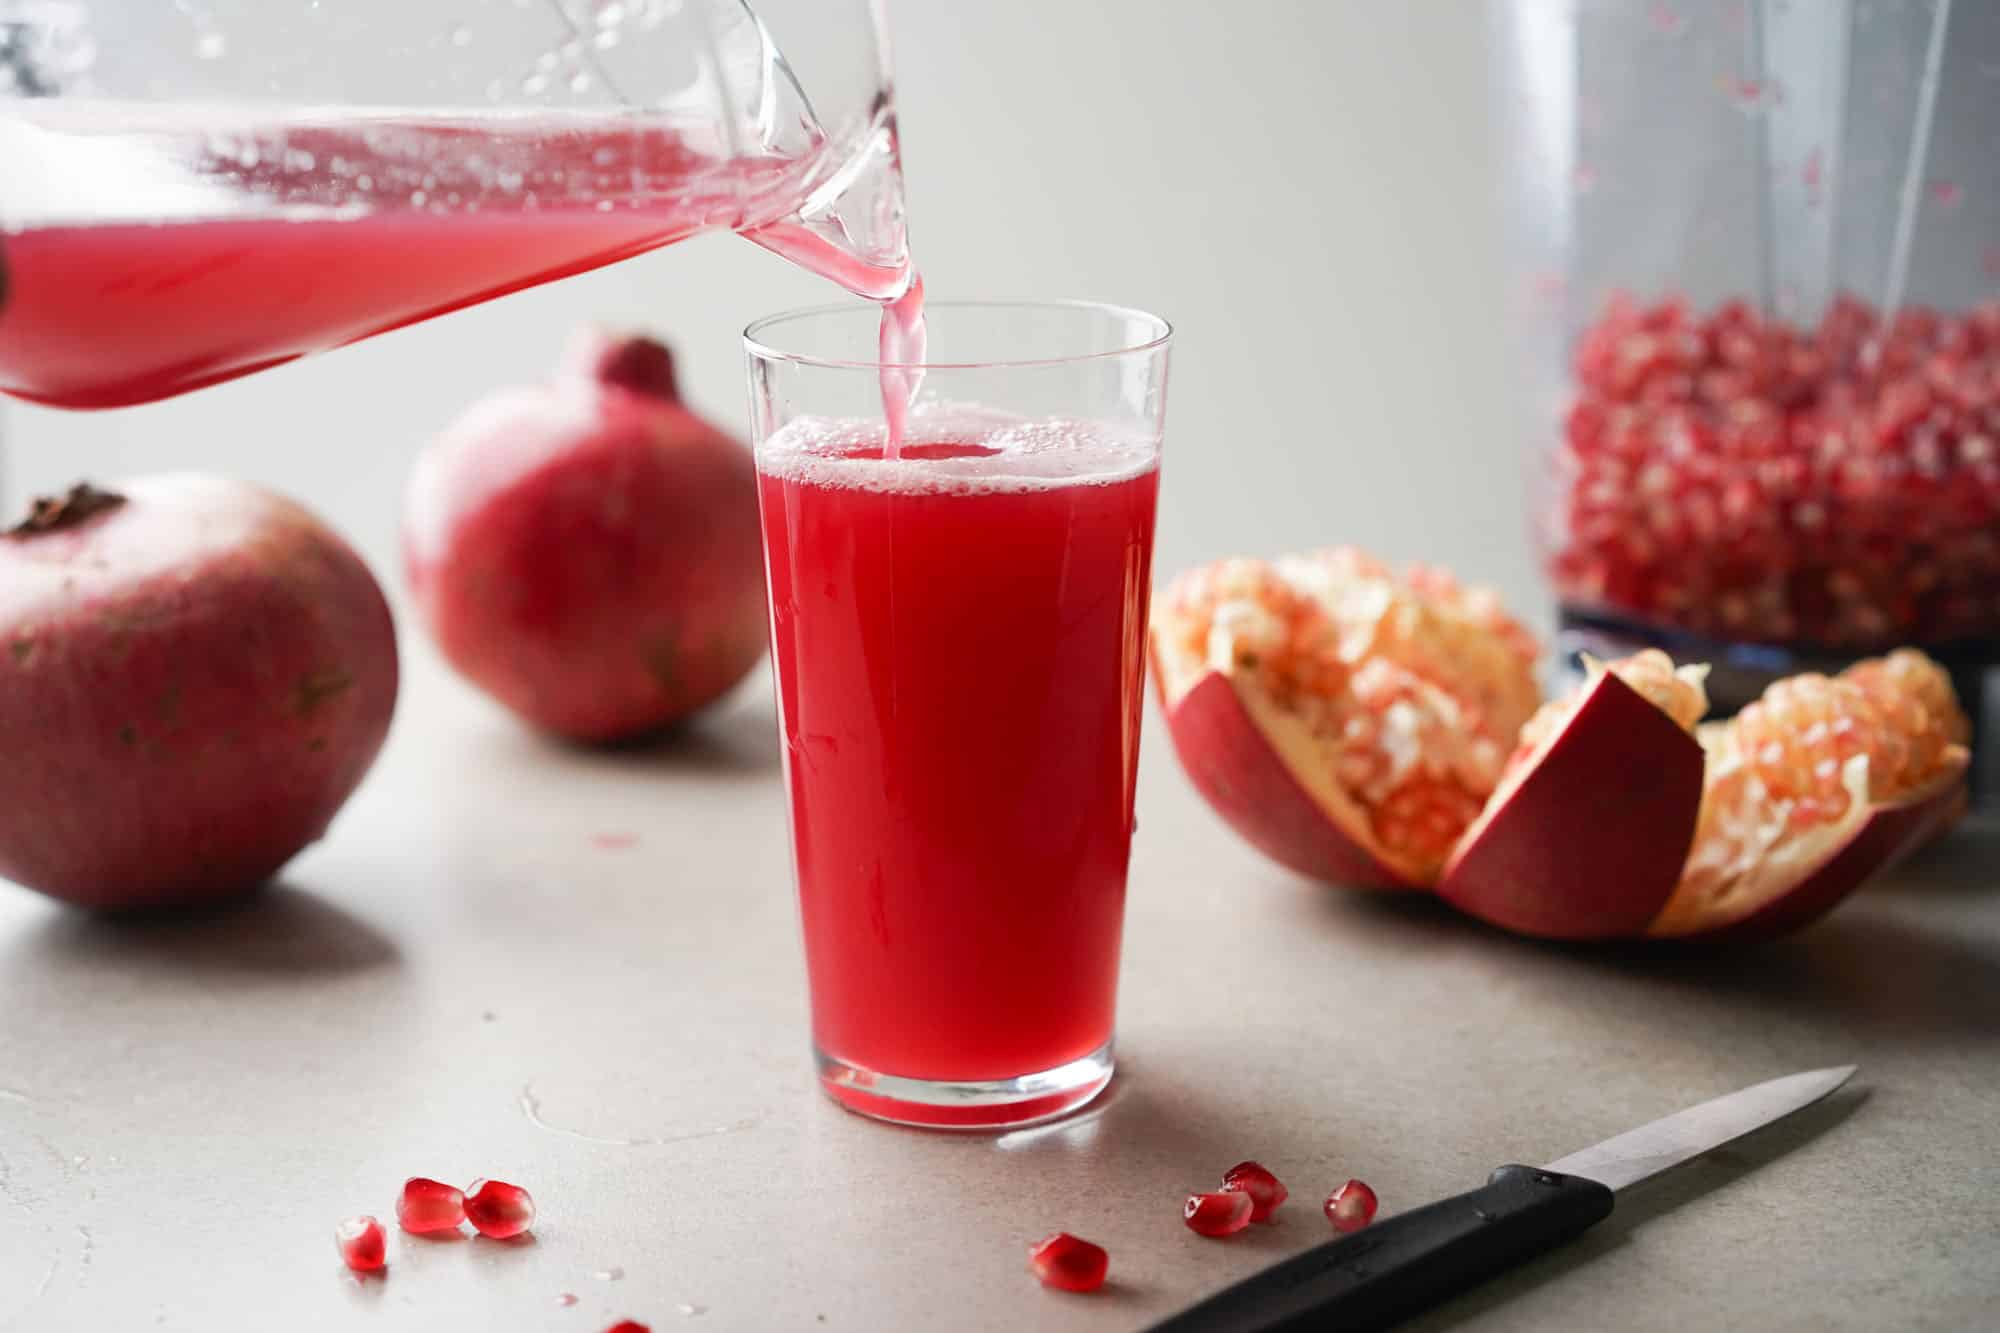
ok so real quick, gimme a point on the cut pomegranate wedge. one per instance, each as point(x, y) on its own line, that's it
point(1256, 766)
point(1587, 833)
point(1818, 785)
point(1346, 722)
point(1351, 725)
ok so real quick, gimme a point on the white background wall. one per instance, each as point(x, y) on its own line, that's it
point(1304, 188)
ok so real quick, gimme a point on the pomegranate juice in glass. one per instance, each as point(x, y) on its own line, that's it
point(958, 626)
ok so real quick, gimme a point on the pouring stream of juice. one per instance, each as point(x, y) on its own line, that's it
point(151, 251)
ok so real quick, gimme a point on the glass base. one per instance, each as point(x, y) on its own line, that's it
point(1007, 1103)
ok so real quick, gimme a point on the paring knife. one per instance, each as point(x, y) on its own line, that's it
point(1403, 1264)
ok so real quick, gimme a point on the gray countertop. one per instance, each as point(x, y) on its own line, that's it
point(580, 972)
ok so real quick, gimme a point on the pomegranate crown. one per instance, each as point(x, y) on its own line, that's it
point(53, 513)
point(633, 362)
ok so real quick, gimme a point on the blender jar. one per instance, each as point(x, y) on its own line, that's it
point(1757, 280)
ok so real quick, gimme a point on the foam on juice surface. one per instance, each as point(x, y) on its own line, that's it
point(956, 449)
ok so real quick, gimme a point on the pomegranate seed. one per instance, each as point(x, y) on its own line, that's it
point(429, 1205)
point(1351, 1207)
point(628, 1326)
point(361, 1244)
point(1266, 1191)
point(1221, 1214)
point(1067, 1263)
point(498, 1209)
point(1728, 474)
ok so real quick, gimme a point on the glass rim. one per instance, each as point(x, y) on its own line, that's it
point(1163, 334)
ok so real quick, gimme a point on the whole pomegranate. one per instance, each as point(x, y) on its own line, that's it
point(587, 551)
point(194, 675)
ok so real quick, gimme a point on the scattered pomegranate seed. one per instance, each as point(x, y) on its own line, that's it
point(429, 1205)
point(1067, 1263)
point(628, 1326)
point(499, 1210)
point(1266, 1191)
point(1220, 1214)
point(1351, 1207)
point(361, 1244)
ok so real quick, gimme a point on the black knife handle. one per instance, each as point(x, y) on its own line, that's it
point(1402, 1264)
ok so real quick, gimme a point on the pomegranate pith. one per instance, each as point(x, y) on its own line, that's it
point(498, 1210)
point(1068, 1263)
point(429, 1205)
point(1351, 1207)
point(361, 1243)
point(1223, 1213)
point(1266, 1191)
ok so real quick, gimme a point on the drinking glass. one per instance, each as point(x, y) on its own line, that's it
point(959, 638)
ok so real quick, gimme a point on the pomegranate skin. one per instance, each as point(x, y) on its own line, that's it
point(192, 682)
point(1588, 841)
point(587, 551)
point(1229, 758)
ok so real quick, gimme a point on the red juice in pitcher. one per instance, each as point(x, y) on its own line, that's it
point(183, 248)
point(113, 315)
point(960, 746)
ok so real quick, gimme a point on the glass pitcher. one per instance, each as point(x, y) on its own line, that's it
point(1757, 278)
point(191, 191)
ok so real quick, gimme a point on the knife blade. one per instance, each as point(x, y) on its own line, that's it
point(1642, 1153)
point(1413, 1260)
